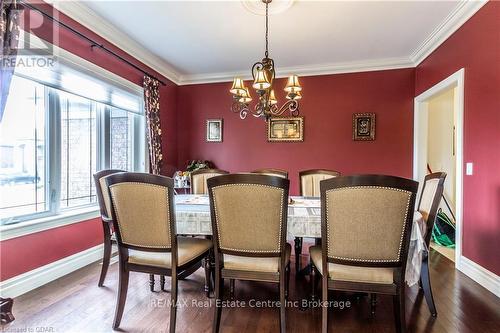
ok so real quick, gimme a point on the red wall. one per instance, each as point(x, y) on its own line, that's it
point(327, 106)
point(25, 253)
point(476, 47)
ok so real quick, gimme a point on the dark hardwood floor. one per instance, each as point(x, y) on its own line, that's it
point(74, 303)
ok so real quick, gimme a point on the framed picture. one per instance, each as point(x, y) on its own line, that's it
point(363, 126)
point(285, 129)
point(214, 130)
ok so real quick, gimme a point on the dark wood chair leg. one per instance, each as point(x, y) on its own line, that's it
point(313, 281)
point(425, 279)
point(173, 302)
point(287, 281)
point(206, 266)
point(162, 282)
point(324, 308)
point(399, 310)
point(219, 291)
point(151, 282)
point(212, 268)
point(298, 252)
point(122, 295)
point(107, 253)
point(231, 289)
point(6, 315)
point(282, 302)
point(373, 303)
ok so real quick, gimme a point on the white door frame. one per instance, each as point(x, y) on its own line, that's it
point(420, 134)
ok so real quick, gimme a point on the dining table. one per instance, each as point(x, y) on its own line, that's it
point(192, 213)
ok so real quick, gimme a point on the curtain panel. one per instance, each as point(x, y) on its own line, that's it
point(9, 39)
point(152, 106)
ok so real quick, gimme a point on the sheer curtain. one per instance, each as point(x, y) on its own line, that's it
point(9, 38)
point(152, 108)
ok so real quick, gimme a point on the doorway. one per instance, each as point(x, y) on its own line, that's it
point(438, 146)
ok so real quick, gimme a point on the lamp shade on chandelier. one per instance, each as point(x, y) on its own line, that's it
point(263, 74)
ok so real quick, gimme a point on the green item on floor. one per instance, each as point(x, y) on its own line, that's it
point(443, 232)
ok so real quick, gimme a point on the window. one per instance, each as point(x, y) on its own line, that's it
point(78, 149)
point(55, 134)
point(123, 131)
point(23, 155)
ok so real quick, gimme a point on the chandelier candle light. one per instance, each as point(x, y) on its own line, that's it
point(263, 75)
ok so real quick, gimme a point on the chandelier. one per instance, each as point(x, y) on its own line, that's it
point(263, 78)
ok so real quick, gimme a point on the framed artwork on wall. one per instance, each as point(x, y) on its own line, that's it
point(289, 129)
point(214, 130)
point(363, 126)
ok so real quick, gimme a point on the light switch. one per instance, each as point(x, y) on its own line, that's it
point(469, 169)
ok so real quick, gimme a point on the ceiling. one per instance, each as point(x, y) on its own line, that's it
point(214, 40)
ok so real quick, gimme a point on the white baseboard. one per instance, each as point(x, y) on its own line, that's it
point(481, 275)
point(33, 279)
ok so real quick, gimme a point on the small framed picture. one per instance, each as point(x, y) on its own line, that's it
point(214, 130)
point(285, 129)
point(363, 126)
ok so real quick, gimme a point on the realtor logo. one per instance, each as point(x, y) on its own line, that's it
point(27, 34)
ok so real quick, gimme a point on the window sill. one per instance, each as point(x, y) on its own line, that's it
point(50, 222)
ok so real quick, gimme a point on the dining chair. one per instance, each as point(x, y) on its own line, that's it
point(199, 178)
point(144, 222)
point(104, 202)
point(272, 172)
point(428, 206)
point(309, 187)
point(249, 223)
point(309, 180)
point(366, 223)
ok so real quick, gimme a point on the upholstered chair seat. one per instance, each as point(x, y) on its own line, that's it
point(267, 265)
point(309, 187)
point(104, 201)
point(249, 224)
point(430, 198)
point(366, 226)
point(352, 273)
point(199, 179)
point(272, 172)
point(310, 179)
point(142, 207)
point(188, 248)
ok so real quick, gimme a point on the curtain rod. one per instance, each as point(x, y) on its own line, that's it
point(90, 40)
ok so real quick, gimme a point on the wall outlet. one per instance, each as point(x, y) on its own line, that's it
point(469, 169)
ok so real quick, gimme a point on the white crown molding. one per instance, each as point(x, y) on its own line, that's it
point(306, 70)
point(85, 16)
point(40, 276)
point(462, 12)
point(481, 275)
point(88, 18)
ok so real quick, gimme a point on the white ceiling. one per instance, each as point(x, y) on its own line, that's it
point(214, 40)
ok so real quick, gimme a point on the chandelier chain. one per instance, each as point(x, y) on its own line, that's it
point(267, 29)
point(263, 73)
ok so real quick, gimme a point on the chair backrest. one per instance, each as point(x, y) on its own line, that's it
point(143, 211)
point(309, 181)
point(272, 172)
point(430, 198)
point(199, 179)
point(367, 219)
point(102, 191)
point(249, 214)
